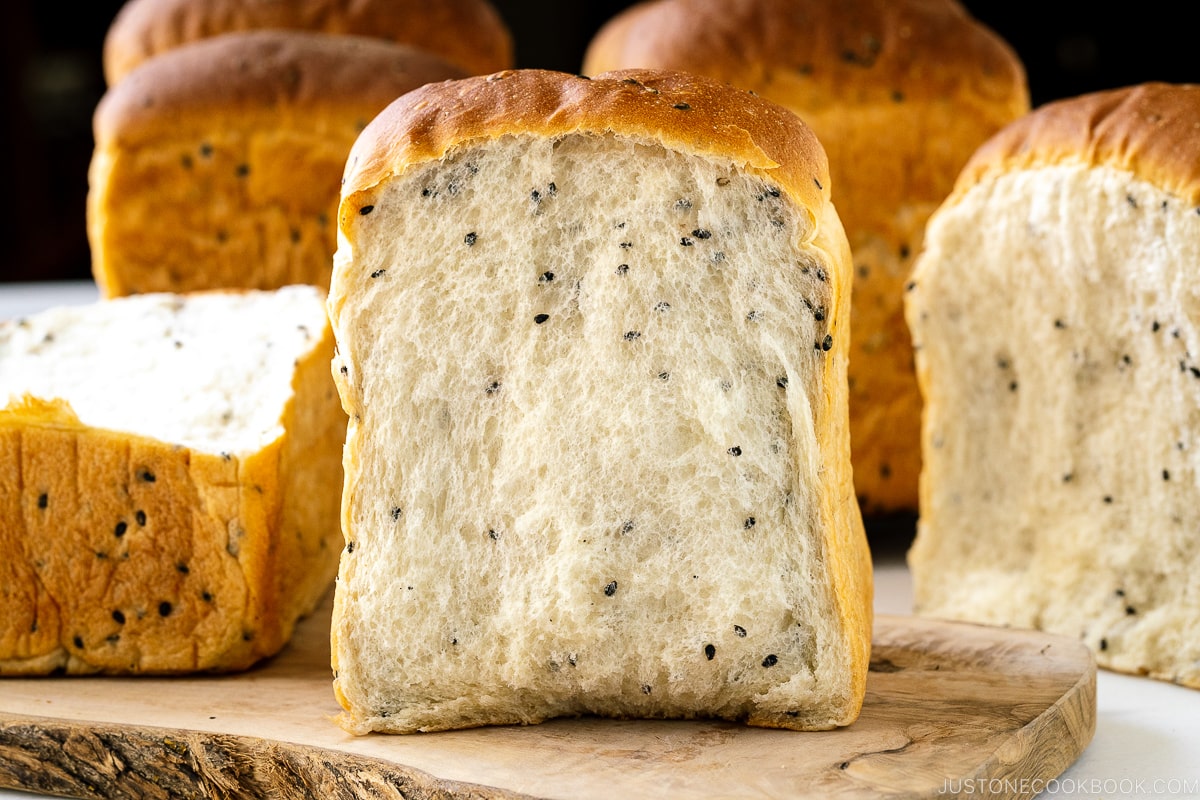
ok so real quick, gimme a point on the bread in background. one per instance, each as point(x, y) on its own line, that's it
point(592, 343)
point(218, 163)
point(1056, 315)
point(170, 481)
point(900, 93)
point(468, 33)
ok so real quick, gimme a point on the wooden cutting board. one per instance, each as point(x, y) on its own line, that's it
point(951, 709)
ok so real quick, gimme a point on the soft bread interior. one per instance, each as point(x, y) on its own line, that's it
point(212, 372)
point(1055, 315)
point(582, 468)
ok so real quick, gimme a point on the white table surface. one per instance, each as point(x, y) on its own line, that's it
point(1147, 742)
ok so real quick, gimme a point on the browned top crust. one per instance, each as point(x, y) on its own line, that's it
point(1151, 130)
point(237, 75)
point(843, 51)
point(688, 112)
point(469, 33)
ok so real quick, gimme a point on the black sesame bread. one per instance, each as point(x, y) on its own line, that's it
point(169, 481)
point(468, 33)
point(217, 164)
point(900, 93)
point(1057, 322)
point(592, 340)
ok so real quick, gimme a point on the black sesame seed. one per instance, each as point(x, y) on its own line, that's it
point(819, 314)
point(662, 376)
point(1012, 387)
point(818, 183)
point(343, 369)
point(183, 569)
point(396, 512)
point(1130, 611)
point(118, 616)
point(546, 277)
point(1155, 326)
point(426, 192)
point(701, 233)
point(1108, 499)
point(1119, 592)
point(683, 204)
point(662, 305)
point(610, 589)
point(710, 652)
point(492, 387)
point(119, 531)
point(739, 631)
point(349, 547)
point(164, 609)
point(1104, 644)
point(243, 170)
point(627, 526)
point(749, 523)
point(683, 106)
point(646, 689)
point(540, 318)
point(626, 245)
point(734, 451)
point(631, 335)
point(770, 660)
point(78, 640)
point(827, 343)
point(1131, 200)
point(366, 210)
point(1058, 323)
point(470, 239)
point(147, 476)
point(493, 535)
point(1070, 476)
point(781, 381)
point(1166, 475)
point(43, 500)
point(622, 269)
point(686, 242)
point(206, 149)
point(206, 596)
point(378, 273)
point(140, 516)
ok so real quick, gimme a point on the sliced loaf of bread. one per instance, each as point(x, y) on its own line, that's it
point(592, 341)
point(1056, 314)
point(169, 481)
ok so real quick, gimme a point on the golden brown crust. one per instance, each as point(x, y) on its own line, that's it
point(694, 114)
point(836, 51)
point(1137, 129)
point(468, 33)
point(217, 164)
point(900, 93)
point(289, 77)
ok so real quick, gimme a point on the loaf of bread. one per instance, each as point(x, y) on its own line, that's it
point(468, 33)
point(1056, 312)
point(170, 480)
point(900, 93)
point(592, 341)
point(218, 163)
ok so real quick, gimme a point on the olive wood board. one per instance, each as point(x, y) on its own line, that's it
point(949, 707)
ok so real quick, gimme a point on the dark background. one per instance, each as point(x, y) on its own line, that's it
point(52, 82)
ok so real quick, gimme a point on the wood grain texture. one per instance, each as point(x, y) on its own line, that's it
point(950, 708)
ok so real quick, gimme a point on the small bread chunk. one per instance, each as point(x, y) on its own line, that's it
point(592, 341)
point(1057, 320)
point(169, 481)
